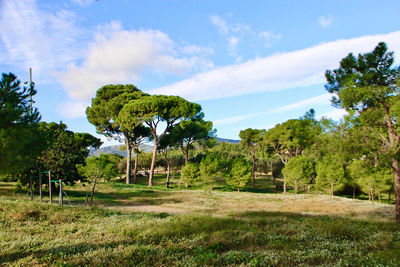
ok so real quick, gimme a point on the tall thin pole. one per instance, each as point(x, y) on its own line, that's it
point(31, 87)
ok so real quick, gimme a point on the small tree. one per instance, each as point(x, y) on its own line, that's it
point(250, 138)
point(298, 171)
point(371, 179)
point(239, 173)
point(102, 167)
point(189, 174)
point(330, 173)
point(209, 169)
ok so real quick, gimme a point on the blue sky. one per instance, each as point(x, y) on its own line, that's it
point(248, 63)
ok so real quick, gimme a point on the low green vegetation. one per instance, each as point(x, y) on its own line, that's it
point(195, 228)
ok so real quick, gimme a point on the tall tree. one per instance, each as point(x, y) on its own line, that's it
point(291, 138)
point(137, 135)
point(20, 140)
point(151, 110)
point(185, 133)
point(369, 85)
point(103, 113)
point(251, 138)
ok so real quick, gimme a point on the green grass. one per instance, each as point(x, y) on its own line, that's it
point(195, 228)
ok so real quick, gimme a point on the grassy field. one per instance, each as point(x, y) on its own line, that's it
point(137, 225)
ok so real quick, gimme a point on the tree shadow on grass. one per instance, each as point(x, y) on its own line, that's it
point(132, 198)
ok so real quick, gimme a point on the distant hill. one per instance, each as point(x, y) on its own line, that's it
point(146, 148)
point(224, 140)
point(115, 149)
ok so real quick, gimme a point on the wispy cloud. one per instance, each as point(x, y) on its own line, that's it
point(335, 114)
point(307, 103)
point(269, 37)
point(119, 56)
point(281, 71)
point(325, 22)
point(83, 2)
point(220, 23)
point(39, 39)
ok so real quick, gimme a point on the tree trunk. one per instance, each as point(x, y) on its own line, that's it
point(238, 189)
point(379, 197)
point(295, 187)
point(153, 163)
point(284, 185)
point(253, 170)
point(395, 163)
point(354, 191)
point(369, 196)
point(168, 168)
point(396, 174)
point(185, 152)
point(135, 168)
point(331, 190)
point(372, 197)
point(308, 188)
point(91, 195)
point(128, 161)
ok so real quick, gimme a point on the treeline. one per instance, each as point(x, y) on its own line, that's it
point(29, 147)
point(361, 151)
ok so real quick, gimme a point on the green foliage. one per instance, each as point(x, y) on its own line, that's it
point(299, 171)
point(106, 106)
point(65, 149)
point(330, 174)
point(190, 173)
point(291, 138)
point(239, 173)
point(20, 139)
point(152, 109)
point(374, 179)
point(185, 133)
point(210, 169)
point(102, 167)
point(250, 138)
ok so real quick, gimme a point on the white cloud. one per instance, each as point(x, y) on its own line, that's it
point(269, 37)
point(233, 42)
point(73, 109)
point(34, 38)
point(83, 2)
point(120, 56)
point(325, 22)
point(307, 103)
point(196, 49)
point(220, 23)
point(335, 114)
point(277, 72)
